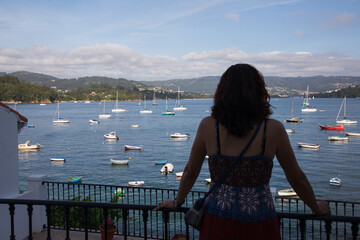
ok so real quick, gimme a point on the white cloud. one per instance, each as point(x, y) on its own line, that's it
point(233, 17)
point(113, 60)
point(345, 18)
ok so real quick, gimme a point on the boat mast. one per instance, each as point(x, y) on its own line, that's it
point(116, 106)
point(340, 109)
point(344, 107)
point(58, 110)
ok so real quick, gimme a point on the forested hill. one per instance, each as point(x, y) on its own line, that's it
point(350, 92)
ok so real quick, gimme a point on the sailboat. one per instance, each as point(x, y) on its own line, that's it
point(178, 106)
point(104, 115)
point(145, 110)
point(293, 119)
point(154, 103)
point(345, 120)
point(117, 109)
point(59, 119)
point(306, 104)
point(167, 111)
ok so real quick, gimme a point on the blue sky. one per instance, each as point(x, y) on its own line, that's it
point(158, 39)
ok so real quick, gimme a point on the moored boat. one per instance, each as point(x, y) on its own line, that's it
point(160, 162)
point(179, 174)
point(290, 130)
point(337, 138)
point(167, 168)
point(57, 159)
point(179, 135)
point(335, 181)
point(119, 162)
point(345, 120)
point(111, 136)
point(309, 145)
point(136, 183)
point(75, 179)
point(129, 148)
point(28, 146)
point(287, 193)
point(352, 134)
point(327, 127)
point(119, 192)
point(94, 121)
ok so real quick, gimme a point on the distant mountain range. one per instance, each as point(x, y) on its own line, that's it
point(278, 86)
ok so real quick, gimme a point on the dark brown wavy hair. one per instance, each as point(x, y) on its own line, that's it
point(241, 100)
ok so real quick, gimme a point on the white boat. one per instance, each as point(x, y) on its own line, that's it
point(59, 119)
point(94, 121)
point(352, 134)
point(179, 135)
point(178, 106)
point(117, 109)
point(111, 136)
point(145, 110)
point(136, 183)
point(335, 181)
point(345, 120)
point(208, 180)
point(167, 111)
point(129, 148)
point(293, 119)
point(104, 115)
point(290, 130)
point(87, 101)
point(337, 138)
point(306, 104)
point(42, 104)
point(167, 168)
point(179, 174)
point(309, 145)
point(28, 146)
point(134, 126)
point(119, 162)
point(287, 193)
point(57, 159)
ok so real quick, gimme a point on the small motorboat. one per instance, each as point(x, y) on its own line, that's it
point(309, 145)
point(352, 134)
point(30, 126)
point(327, 127)
point(290, 130)
point(111, 136)
point(57, 159)
point(179, 174)
point(136, 183)
point(119, 162)
point(179, 135)
point(119, 192)
point(167, 168)
point(294, 120)
point(27, 146)
point(94, 121)
point(287, 193)
point(161, 162)
point(129, 148)
point(134, 126)
point(337, 138)
point(208, 180)
point(335, 181)
point(74, 179)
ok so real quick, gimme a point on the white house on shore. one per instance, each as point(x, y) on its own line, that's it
point(11, 123)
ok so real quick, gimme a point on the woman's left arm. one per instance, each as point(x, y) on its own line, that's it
point(191, 171)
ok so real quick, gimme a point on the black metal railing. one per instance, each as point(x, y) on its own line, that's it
point(81, 207)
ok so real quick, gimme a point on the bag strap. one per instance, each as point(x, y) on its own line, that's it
point(217, 184)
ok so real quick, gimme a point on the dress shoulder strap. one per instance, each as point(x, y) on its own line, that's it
point(264, 138)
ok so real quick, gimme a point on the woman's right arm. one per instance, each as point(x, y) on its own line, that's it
point(294, 174)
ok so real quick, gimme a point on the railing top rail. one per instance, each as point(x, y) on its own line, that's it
point(338, 218)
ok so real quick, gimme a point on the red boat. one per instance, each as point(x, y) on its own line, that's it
point(337, 127)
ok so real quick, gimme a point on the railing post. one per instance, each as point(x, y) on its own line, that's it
point(328, 229)
point(67, 222)
point(303, 228)
point(106, 214)
point(125, 213)
point(48, 215)
point(145, 219)
point(354, 229)
point(86, 213)
point(166, 221)
point(30, 212)
point(12, 212)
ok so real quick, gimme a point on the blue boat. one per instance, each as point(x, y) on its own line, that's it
point(74, 179)
point(336, 181)
point(161, 162)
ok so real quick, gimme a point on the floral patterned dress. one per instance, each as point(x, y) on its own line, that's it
point(242, 206)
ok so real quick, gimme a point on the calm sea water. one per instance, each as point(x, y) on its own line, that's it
point(88, 154)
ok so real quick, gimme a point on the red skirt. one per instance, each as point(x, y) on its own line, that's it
point(218, 228)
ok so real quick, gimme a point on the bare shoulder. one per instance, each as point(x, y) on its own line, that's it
point(207, 121)
point(275, 126)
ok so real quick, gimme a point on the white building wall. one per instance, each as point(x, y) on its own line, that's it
point(9, 171)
